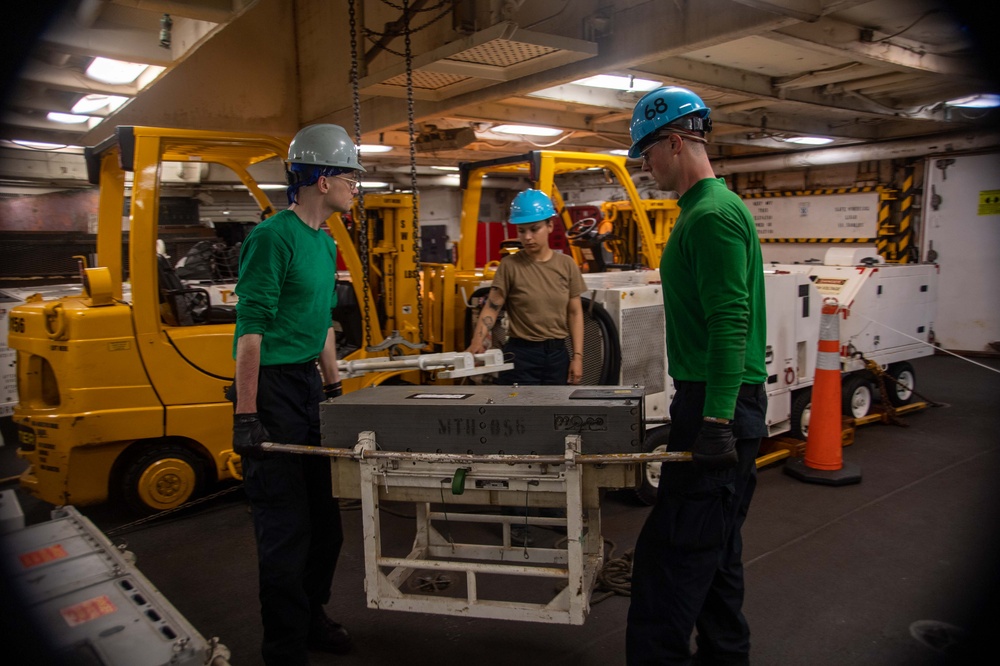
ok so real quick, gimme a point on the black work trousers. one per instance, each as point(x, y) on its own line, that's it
point(687, 571)
point(296, 518)
point(536, 362)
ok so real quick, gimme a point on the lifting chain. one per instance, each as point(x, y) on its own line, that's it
point(413, 171)
point(362, 221)
point(406, 18)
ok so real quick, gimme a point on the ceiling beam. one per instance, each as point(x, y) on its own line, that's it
point(214, 11)
point(117, 43)
point(686, 72)
point(639, 34)
point(845, 40)
point(70, 79)
point(42, 122)
point(42, 100)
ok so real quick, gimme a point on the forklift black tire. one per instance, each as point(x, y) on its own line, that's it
point(656, 442)
point(857, 395)
point(161, 477)
point(801, 409)
point(903, 373)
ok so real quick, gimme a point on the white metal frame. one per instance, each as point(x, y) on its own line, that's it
point(577, 564)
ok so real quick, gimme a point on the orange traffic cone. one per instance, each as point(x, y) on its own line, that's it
point(824, 459)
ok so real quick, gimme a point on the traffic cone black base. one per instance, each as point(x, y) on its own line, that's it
point(848, 473)
point(823, 461)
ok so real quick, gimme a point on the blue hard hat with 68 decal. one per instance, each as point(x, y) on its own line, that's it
point(661, 107)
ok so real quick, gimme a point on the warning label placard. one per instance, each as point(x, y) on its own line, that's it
point(88, 610)
point(816, 216)
point(830, 286)
point(42, 555)
point(989, 202)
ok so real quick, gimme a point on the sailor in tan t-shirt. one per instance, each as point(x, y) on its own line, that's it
point(541, 290)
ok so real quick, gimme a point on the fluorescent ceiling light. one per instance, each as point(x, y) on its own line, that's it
point(148, 76)
point(374, 148)
point(91, 103)
point(527, 130)
point(618, 151)
point(615, 82)
point(808, 140)
point(263, 186)
point(989, 101)
point(373, 184)
point(39, 145)
point(114, 72)
point(445, 168)
point(67, 118)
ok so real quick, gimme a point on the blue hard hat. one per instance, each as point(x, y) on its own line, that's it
point(661, 107)
point(531, 206)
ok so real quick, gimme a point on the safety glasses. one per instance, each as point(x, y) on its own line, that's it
point(644, 153)
point(351, 180)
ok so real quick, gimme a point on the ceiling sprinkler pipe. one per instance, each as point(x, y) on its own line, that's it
point(884, 150)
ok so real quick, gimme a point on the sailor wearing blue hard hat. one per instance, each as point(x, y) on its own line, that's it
point(541, 290)
point(713, 295)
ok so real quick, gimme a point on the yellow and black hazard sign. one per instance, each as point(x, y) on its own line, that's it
point(989, 202)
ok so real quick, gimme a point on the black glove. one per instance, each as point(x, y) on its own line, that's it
point(248, 435)
point(333, 390)
point(715, 447)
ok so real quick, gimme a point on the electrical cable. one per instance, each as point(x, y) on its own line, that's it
point(924, 342)
point(919, 19)
point(554, 143)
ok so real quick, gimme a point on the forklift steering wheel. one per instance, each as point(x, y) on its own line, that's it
point(581, 228)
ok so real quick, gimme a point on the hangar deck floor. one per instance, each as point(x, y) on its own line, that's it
point(834, 575)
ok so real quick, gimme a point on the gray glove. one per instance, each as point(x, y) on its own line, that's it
point(715, 447)
point(248, 435)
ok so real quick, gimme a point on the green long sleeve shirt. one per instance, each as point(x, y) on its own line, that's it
point(713, 296)
point(286, 289)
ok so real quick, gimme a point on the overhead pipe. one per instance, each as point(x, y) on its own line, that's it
point(884, 150)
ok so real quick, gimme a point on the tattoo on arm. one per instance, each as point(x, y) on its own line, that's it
point(486, 321)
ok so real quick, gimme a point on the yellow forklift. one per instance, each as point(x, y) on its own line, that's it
point(126, 398)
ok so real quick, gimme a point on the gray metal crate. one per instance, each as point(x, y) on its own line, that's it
point(488, 419)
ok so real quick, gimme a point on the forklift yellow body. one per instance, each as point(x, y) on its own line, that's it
point(116, 398)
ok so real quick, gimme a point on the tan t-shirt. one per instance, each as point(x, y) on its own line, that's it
point(537, 294)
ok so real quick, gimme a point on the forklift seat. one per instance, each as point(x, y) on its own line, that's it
point(347, 313)
point(181, 305)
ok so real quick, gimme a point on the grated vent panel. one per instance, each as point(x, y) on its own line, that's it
point(644, 356)
point(502, 53)
point(424, 80)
